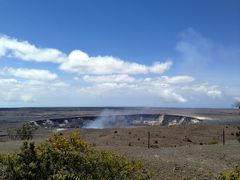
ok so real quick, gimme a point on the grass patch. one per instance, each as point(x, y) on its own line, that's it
point(213, 141)
point(155, 146)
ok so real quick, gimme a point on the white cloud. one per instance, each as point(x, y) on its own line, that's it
point(77, 61)
point(237, 99)
point(212, 91)
point(81, 63)
point(159, 87)
point(178, 79)
point(122, 78)
point(164, 88)
point(32, 74)
point(194, 48)
point(124, 90)
point(13, 90)
point(160, 68)
point(8, 81)
point(200, 54)
point(24, 50)
point(99, 77)
point(171, 96)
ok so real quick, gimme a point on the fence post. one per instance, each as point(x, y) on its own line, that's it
point(223, 136)
point(148, 139)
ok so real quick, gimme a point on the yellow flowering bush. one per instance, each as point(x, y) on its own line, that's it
point(232, 175)
point(68, 157)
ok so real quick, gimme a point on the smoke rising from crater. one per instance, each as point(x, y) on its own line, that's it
point(108, 119)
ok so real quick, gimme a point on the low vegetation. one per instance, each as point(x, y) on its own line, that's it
point(238, 134)
point(213, 141)
point(232, 175)
point(154, 146)
point(67, 157)
point(25, 132)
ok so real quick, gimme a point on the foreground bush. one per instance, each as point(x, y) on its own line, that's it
point(68, 157)
point(26, 131)
point(232, 175)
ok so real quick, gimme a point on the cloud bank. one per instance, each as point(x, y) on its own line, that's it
point(79, 76)
point(31, 74)
point(23, 50)
point(81, 63)
point(77, 61)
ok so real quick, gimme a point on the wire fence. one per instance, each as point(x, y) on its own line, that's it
point(33, 136)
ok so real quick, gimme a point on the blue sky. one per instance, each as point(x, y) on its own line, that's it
point(119, 53)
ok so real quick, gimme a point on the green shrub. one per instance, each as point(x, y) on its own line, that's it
point(232, 175)
point(154, 146)
point(26, 131)
point(2, 167)
point(68, 157)
point(213, 141)
point(237, 134)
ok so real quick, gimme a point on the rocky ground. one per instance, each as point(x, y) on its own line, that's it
point(185, 162)
point(177, 152)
